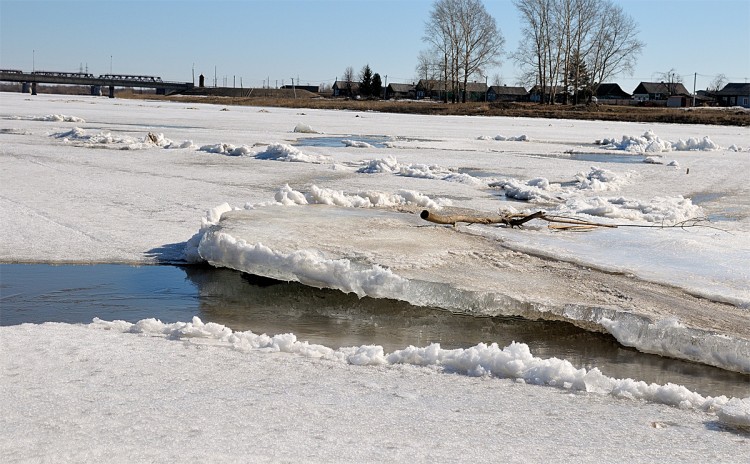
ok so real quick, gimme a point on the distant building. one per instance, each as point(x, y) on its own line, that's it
point(503, 93)
point(309, 88)
point(430, 89)
point(659, 91)
point(679, 101)
point(734, 94)
point(611, 92)
point(535, 94)
point(401, 91)
point(436, 90)
point(345, 89)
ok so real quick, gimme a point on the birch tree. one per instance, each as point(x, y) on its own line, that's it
point(481, 41)
point(467, 38)
point(615, 46)
point(557, 33)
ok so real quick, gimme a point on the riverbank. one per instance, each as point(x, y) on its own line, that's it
point(601, 112)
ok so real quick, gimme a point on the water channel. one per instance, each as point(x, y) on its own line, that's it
point(38, 293)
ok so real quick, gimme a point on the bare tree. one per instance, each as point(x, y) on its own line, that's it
point(428, 66)
point(720, 80)
point(466, 37)
point(535, 48)
point(578, 20)
point(481, 41)
point(558, 34)
point(615, 46)
point(670, 79)
point(348, 80)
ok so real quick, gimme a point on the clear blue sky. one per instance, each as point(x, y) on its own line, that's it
point(316, 40)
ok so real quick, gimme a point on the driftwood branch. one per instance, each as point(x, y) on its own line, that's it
point(555, 222)
point(513, 220)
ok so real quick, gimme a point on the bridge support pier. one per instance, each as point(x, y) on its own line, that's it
point(111, 91)
point(96, 90)
point(33, 88)
point(25, 87)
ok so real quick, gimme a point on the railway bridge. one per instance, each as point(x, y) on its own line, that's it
point(29, 81)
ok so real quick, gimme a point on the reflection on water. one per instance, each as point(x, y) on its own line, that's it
point(606, 158)
point(77, 294)
point(335, 142)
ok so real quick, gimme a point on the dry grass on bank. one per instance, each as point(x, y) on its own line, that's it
point(711, 116)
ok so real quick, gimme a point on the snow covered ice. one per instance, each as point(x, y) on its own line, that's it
point(102, 181)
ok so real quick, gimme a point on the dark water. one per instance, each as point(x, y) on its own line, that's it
point(77, 294)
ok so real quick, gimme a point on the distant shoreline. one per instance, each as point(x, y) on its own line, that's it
point(732, 116)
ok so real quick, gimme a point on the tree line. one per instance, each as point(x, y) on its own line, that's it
point(568, 47)
point(369, 84)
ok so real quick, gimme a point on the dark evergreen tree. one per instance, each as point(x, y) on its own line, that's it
point(377, 86)
point(365, 81)
point(580, 80)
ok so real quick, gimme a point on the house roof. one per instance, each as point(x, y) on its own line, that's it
point(538, 89)
point(735, 88)
point(435, 84)
point(342, 85)
point(402, 87)
point(611, 89)
point(661, 87)
point(505, 90)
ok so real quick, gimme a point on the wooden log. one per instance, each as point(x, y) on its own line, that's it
point(513, 220)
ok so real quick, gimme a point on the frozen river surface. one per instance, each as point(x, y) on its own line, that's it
point(91, 180)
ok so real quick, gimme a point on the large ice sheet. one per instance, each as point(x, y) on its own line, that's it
point(388, 254)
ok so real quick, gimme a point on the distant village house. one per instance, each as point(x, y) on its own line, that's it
point(734, 94)
point(503, 93)
point(659, 91)
point(401, 91)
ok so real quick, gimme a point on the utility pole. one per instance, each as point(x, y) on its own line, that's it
point(695, 77)
point(193, 73)
point(385, 87)
point(33, 60)
point(293, 89)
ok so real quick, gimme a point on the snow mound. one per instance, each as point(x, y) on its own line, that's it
point(284, 152)
point(305, 129)
point(422, 171)
point(735, 413)
point(227, 149)
point(649, 142)
point(59, 118)
point(160, 141)
point(383, 165)
point(502, 138)
point(601, 180)
point(659, 210)
point(514, 361)
point(356, 144)
point(364, 199)
point(534, 190)
point(79, 137)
